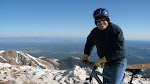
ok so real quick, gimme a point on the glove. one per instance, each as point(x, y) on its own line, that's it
point(98, 62)
point(85, 58)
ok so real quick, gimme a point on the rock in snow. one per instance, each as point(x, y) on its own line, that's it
point(146, 73)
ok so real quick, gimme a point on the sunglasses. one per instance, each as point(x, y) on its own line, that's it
point(99, 20)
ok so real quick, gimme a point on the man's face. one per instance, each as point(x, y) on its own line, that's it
point(102, 23)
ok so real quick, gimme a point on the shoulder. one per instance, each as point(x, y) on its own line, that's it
point(94, 30)
point(115, 27)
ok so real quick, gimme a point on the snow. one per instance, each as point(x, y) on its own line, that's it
point(1, 51)
point(55, 60)
point(2, 65)
point(41, 57)
point(17, 58)
point(20, 52)
point(35, 60)
point(146, 73)
point(76, 75)
point(3, 58)
point(29, 56)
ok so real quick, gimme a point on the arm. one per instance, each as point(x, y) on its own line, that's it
point(88, 47)
point(117, 49)
point(89, 43)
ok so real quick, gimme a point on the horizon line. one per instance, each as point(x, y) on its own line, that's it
point(64, 37)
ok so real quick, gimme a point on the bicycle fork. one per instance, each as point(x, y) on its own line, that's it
point(93, 74)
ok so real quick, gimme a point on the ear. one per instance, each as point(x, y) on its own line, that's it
point(107, 19)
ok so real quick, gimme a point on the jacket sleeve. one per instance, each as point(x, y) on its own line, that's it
point(89, 43)
point(117, 48)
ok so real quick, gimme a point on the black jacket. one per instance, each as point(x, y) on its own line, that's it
point(109, 42)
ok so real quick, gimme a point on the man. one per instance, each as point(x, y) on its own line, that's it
point(109, 41)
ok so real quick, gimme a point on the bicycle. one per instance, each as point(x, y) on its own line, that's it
point(94, 74)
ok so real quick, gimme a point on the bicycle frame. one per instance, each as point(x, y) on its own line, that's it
point(95, 75)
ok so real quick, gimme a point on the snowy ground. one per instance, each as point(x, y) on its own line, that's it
point(33, 75)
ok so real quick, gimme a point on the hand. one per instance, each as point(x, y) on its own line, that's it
point(85, 58)
point(98, 62)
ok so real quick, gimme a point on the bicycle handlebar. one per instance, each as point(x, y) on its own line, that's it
point(89, 63)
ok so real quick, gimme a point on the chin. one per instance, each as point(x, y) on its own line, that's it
point(102, 28)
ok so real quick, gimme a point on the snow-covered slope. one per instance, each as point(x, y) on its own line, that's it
point(15, 74)
point(22, 58)
point(18, 67)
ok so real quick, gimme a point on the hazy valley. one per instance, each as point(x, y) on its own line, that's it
point(64, 47)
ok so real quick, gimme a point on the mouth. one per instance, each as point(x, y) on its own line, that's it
point(101, 24)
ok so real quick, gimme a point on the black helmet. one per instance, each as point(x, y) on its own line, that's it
point(101, 12)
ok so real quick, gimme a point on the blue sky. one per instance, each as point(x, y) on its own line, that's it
point(72, 18)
